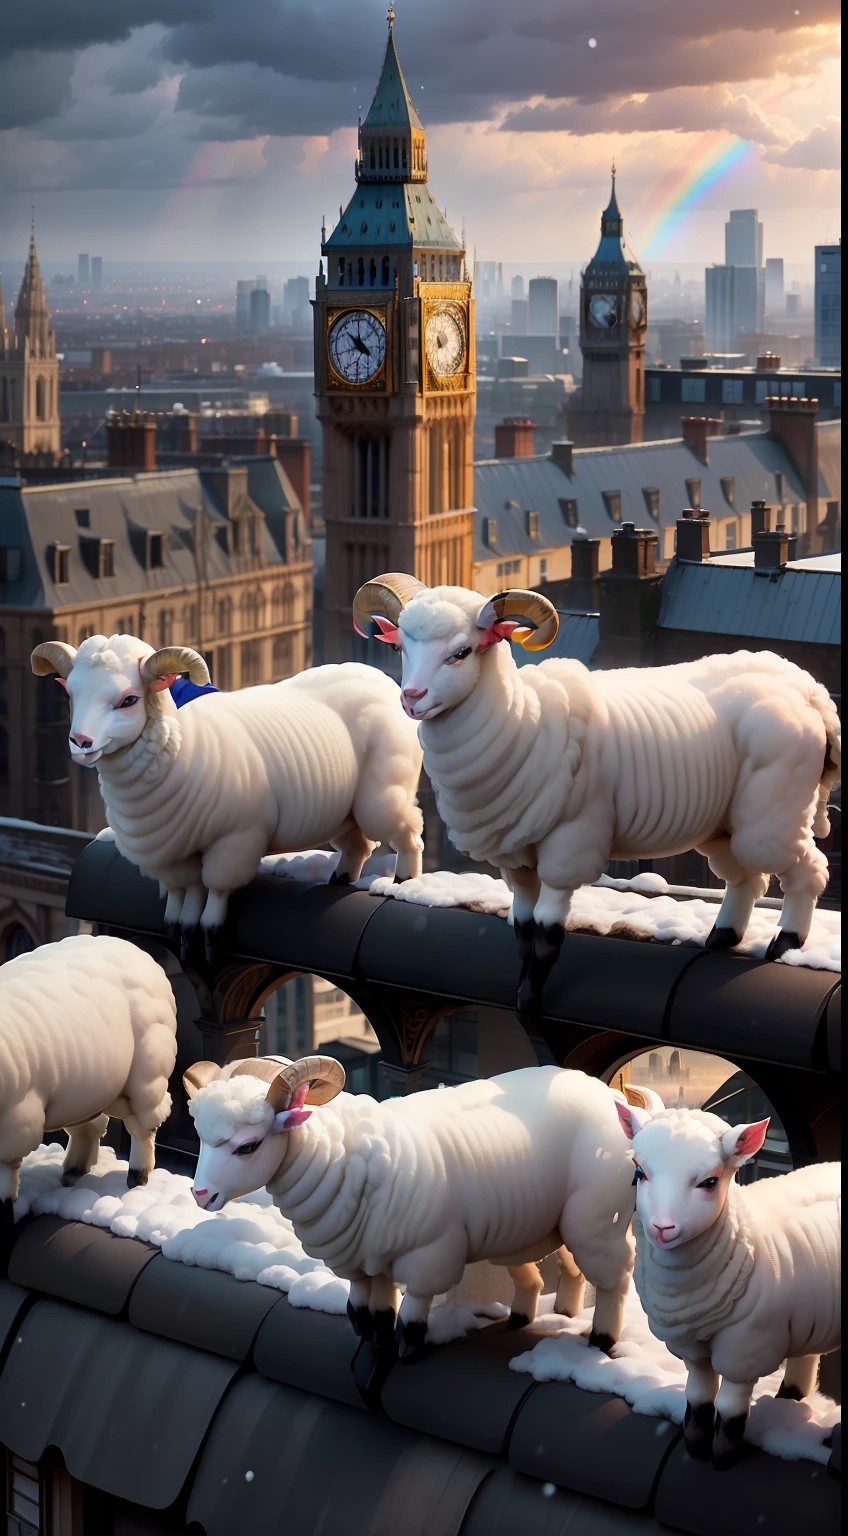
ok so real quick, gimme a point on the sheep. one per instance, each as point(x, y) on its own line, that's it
point(734, 1281)
point(409, 1191)
point(88, 1029)
point(196, 798)
point(551, 771)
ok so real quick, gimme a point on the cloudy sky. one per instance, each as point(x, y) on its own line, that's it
point(224, 129)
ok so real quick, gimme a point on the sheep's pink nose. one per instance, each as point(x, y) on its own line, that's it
point(663, 1228)
point(201, 1196)
point(83, 742)
point(412, 695)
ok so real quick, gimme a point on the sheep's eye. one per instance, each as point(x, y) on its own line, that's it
point(397, 649)
point(247, 1148)
point(129, 701)
point(460, 655)
point(710, 1183)
point(638, 1174)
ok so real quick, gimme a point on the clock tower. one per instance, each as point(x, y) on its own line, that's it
point(394, 372)
point(613, 321)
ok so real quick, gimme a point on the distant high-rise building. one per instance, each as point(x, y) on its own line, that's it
point(735, 305)
point(613, 322)
point(244, 289)
point(485, 278)
point(829, 305)
point(520, 322)
point(794, 305)
point(516, 287)
point(543, 306)
point(82, 272)
point(296, 303)
point(775, 288)
point(743, 239)
point(96, 273)
point(260, 310)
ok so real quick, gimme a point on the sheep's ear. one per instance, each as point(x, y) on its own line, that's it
point(643, 1098)
point(632, 1119)
point(742, 1142)
point(198, 1076)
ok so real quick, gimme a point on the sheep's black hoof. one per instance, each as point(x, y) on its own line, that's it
point(412, 1342)
point(361, 1321)
point(783, 940)
point(517, 1320)
point(602, 1341)
point(834, 1465)
point(135, 1177)
point(70, 1176)
point(211, 941)
point(337, 879)
point(173, 930)
point(728, 1441)
point(384, 1323)
point(524, 934)
point(698, 1430)
point(721, 938)
point(794, 1394)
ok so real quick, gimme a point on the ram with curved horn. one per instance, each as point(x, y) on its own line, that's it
point(551, 771)
point(196, 797)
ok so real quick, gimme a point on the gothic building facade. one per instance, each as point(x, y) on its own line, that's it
point(610, 408)
point(394, 370)
point(29, 375)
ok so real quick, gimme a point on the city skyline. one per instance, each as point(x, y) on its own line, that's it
point(151, 130)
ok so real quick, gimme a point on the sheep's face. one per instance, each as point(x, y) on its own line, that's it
point(242, 1140)
point(442, 643)
point(684, 1163)
point(107, 697)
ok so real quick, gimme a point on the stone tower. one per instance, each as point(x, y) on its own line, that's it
point(394, 371)
point(29, 374)
point(613, 321)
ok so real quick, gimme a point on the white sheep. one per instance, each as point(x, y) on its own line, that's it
point(409, 1191)
point(195, 798)
point(733, 1280)
point(88, 1029)
point(551, 771)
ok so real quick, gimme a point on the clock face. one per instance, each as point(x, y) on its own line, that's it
point(445, 343)
point(603, 311)
point(637, 308)
point(358, 346)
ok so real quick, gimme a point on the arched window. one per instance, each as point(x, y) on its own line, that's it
point(341, 271)
point(283, 656)
point(288, 600)
point(361, 272)
point(40, 410)
point(385, 272)
point(224, 616)
point(372, 271)
point(18, 941)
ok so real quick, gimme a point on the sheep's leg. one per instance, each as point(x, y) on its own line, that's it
point(173, 908)
point(802, 886)
point(732, 1407)
point(742, 890)
point(388, 813)
point(550, 917)
point(10, 1182)
point(383, 1305)
point(411, 1331)
point(354, 848)
point(525, 886)
point(230, 863)
point(571, 1286)
point(409, 847)
point(799, 1378)
point(699, 1419)
point(358, 1309)
point(192, 907)
point(83, 1147)
point(528, 1288)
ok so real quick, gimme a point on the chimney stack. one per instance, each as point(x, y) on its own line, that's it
point(514, 438)
point(634, 551)
point(629, 599)
point(696, 430)
point(562, 454)
point(760, 518)
point(768, 362)
point(693, 535)
point(794, 424)
point(294, 455)
point(585, 565)
point(132, 441)
point(771, 551)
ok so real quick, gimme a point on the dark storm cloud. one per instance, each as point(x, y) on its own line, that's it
point(33, 86)
point(67, 25)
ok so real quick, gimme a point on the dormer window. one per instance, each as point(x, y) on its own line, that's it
point(693, 493)
point(652, 501)
point(568, 508)
point(155, 553)
point(612, 502)
point(99, 557)
point(490, 531)
point(533, 525)
point(728, 489)
point(59, 560)
point(83, 517)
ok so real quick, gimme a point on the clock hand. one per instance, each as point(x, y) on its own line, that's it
point(360, 345)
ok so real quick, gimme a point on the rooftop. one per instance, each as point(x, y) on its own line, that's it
point(724, 596)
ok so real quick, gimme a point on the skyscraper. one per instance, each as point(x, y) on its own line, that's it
point(775, 288)
point(82, 272)
point(735, 302)
point(96, 273)
point(517, 287)
point(829, 305)
point(543, 306)
point(244, 289)
point(743, 239)
point(260, 309)
point(296, 303)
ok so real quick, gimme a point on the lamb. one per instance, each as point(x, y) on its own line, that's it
point(88, 1029)
point(409, 1191)
point(551, 771)
point(196, 798)
point(734, 1281)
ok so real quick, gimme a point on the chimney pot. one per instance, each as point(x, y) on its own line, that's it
point(771, 551)
point(693, 535)
point(562, 454)
point(634, 551)
point(760, 518)
point(514, 438)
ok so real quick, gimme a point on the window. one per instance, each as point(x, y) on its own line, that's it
point(490, 531)
point(10, 564)
point(763, 391)
point(654, 391)
point(83, 517)
point(251, 663)
point(99, 557)
point(533, 525)
point(799, 389)
point(155, 551)
point(508, 567)
point(224, 616)
point(23, 1497)
point(88, 630)
point(39, 399)
point(568, 508)
point(730, 533)
point(166, 627)
point(732, 392)
point(693, 492)
point(283, 656)
point(223, 667)
point(778, 485)
point(543, 571)
point(652, 501)
point(59, 563)
point(728, 489)
point(612, 502)
point(693, 391)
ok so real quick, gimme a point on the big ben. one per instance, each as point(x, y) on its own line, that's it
point(394, 371)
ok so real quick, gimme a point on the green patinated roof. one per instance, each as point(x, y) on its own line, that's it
point(367, 221)
point(391, 106)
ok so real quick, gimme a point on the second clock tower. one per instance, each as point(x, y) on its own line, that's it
point(613, 322)
point(394, 372)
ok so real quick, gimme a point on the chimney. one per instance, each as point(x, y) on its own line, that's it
point(696, 430)
point(693, 535)
point(184, 433)
point(514, 438)
point(634, 551)
point(760, 518)
point(227, 483)
point(294, 455)
point(562, 454)
point(794, 424)
point(771, 551)
point(585, 562)
point(132, 441)
point(629, 599)
point(768, 362)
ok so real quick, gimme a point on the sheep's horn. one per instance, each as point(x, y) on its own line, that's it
point(386, 595)
point(326, 1075)
point(52, 656)
point(267, 1069)
point(530, 610)
point(199, 1075)
point(174, 658)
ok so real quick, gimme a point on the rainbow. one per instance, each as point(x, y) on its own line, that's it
point(658, 214)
